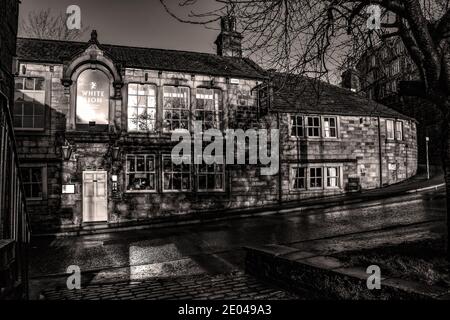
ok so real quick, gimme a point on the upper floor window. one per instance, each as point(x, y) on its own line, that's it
point(297, 126)
point(395, 67)
point(399, 130)
point(141, 173)
point(313, 126)
point(92, 97)
point(208, 108)
point(390, 129)
point(141, 107)
point(29, 103)
point(246, 112)
point(329, 127)
point(175, 177)
point(176, 108)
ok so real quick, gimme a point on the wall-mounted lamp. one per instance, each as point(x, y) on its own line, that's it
point(115, 153)
point(66, 151)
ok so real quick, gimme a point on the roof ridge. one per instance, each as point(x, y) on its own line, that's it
point(130, 47)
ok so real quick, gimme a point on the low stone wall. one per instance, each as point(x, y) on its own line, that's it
point(313, 276)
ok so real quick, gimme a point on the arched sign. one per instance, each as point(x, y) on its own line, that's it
point(93, 97)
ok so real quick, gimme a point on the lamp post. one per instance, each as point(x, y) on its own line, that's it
point(427, 139)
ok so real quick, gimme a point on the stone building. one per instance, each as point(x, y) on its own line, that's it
point(94, 123)
point(14, 233)
point(379, 73)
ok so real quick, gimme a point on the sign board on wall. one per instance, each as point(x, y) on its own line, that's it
point(68, 189)
point(92, 97)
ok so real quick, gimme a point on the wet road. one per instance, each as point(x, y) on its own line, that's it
point(217, 247)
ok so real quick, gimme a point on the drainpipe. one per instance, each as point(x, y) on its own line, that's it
point(380, 152)
point(280, 188)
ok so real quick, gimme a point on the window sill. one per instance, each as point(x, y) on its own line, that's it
point(19, 130)
point(293, 138)
point(140, 191)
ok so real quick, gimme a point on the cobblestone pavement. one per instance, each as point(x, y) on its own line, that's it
point(234, 286)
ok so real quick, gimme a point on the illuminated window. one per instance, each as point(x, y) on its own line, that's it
point(208, 108)
point(332, 177)
point(175, 177)
point(29, 103)
point(211, 177)
point(141, 173)
point(297, 126)
point(330, 127)
point(390, 129)
point(141, 107)
point(176, 108)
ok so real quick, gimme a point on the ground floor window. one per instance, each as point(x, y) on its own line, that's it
point(141, 173)
point(315, 177)
point(33, 182)
point(210, 177)
point(175, 177)
point(303, 177)
point(332, 177)
point(298, 181)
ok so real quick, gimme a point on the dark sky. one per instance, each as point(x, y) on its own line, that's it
point(143, 23)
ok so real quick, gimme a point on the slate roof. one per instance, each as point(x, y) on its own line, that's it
point(52, 51)
point(295, 93)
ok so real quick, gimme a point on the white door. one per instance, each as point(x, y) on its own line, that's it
point(95, 196)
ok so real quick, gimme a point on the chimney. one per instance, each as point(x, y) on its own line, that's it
point(229, 41)
point(350, 80)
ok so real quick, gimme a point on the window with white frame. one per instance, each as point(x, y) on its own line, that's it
point(298, 178)
point(141, 173)
point(297, 126)
point(332, 177)
point(29, 103)
point(390, 129)
point(141, 107)
point(175, 177)
point(399, 130)
point(313, 126)
point(33, 182)
point(176, 108)
point(315, 178)
point(211, 177)
point(208, 108)
point(330, 127)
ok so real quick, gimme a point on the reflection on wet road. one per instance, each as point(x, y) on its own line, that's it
point(216, 247)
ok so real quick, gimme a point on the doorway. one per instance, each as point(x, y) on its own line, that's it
point(95, 196)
